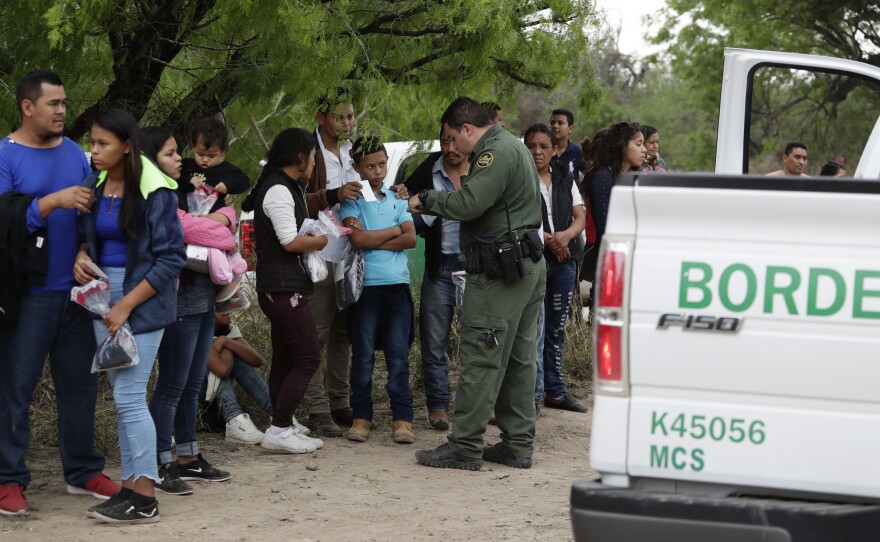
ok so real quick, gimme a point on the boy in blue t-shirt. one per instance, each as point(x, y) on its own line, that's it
point(383, 315)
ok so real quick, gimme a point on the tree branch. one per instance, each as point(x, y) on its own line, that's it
point(508, 69)
point(411, 33)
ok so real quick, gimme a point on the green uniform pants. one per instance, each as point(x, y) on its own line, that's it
point(502, 375)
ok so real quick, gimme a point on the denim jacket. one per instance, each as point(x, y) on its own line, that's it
point(158, 253)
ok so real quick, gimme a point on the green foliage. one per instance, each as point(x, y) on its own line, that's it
point(263, 63)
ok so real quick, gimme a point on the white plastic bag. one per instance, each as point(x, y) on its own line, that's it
point(315, 265)
point(197, 258)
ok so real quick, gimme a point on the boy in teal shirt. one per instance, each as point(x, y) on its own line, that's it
point(383, 228)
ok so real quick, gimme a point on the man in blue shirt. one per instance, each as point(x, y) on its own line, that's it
point(568, 153)
point(443, 173)
point(38, 160)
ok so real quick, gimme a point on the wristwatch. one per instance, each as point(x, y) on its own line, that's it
point(423, 196)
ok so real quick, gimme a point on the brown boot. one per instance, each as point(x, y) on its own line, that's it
point(401, 432)
point(438, 419)
point(359, 430)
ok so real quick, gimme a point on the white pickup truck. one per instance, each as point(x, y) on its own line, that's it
point(737, 346)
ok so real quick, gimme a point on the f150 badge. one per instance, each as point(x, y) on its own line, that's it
point(700, 322)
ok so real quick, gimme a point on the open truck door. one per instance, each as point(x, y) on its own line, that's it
point(742, 68)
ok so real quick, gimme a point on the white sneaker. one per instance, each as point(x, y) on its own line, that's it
point(213, 386)
point(300, 428)
point(287, 441)
point(318, 443)
point(242, 429)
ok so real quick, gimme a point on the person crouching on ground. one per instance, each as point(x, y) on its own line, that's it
point(383, 228)
point(232, 359)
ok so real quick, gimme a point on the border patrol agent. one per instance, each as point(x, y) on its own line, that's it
point(499, 206)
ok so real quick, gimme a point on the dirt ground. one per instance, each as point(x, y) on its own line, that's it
point(346, 491)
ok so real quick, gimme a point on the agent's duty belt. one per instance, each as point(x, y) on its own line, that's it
point(503, 258)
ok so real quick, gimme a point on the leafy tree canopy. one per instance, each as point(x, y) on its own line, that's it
point(264, 63)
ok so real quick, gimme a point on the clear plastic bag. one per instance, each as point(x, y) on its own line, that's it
point(459, 278)
point(201, 200)
point(116, 351)
point(315, 265)
point(94, 296)
point(326, 224)
point(349, 276)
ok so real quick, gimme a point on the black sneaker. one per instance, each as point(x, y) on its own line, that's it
point(171, 482)
point(343, 417)
point(502, 454)
point(109, 503)
point(567, 402)
point(443, 457)
point(324, 425)
point(202, 470)
point(126, 512)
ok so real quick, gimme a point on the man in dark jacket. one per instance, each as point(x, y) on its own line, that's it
point(440, 171)
point(13, 242)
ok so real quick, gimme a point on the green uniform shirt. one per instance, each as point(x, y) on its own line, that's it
point(501, 170)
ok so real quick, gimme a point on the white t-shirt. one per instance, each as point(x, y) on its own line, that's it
point(279, 206)
point(339, 169)
point(547, 192)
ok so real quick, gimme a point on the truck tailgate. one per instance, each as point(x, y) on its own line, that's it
point(754, 302)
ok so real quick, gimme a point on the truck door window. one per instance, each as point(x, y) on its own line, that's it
point(832, 114)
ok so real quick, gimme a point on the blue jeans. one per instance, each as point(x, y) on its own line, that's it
point(539, 357)
point(435, 320)
point(137, 434)
point(183, 360)
point(381, 319)
point(49, 325)
point(557, 304)
point(251, 382)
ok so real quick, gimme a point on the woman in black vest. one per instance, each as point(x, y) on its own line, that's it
point(564, 218)
point(283, 282)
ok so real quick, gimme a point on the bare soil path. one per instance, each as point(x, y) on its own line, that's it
point(346, 491)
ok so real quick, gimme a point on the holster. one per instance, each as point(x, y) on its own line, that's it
point(532, 246)
point(503, 258)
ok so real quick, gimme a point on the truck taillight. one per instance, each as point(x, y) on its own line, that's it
point(247, 243)
point(608, 351)
point(611, 272)
point(610, 318)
